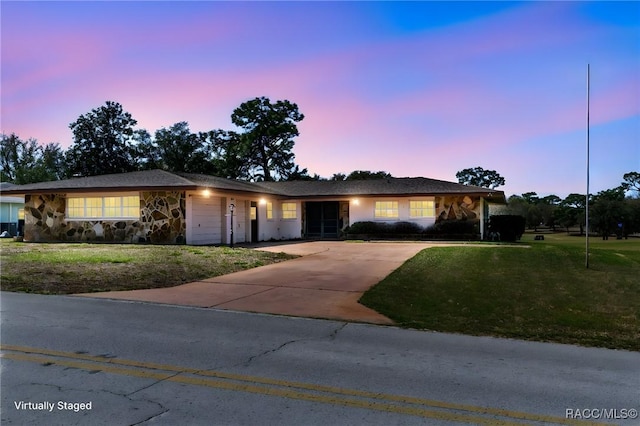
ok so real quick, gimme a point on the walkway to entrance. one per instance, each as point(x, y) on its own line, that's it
point(326, 282)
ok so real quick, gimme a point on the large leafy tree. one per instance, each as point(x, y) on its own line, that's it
point(147, 155)
point(176, 149)
point(103, 142)
point(367, 175)
point(27, 161)
point(548, 207)
point(631, 182)
point(571, 211)
point(531, 197)
point(53, 161)
point(608, 211)
point(534, 209)
point(361, 175)
point(229, 154)
point(518, 205)
point(267, 138)
point(478, 176)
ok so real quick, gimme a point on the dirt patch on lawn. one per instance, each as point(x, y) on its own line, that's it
point(83, 268)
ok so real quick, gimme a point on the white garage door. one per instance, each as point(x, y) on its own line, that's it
point(204, 220)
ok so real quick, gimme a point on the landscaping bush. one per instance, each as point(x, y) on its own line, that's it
point(405, 228)
point(452, 227)
point(509, 227)
point(448, 230)
point(383, 229)
point(365, 228)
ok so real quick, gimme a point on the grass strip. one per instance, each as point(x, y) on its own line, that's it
point(542, 293)
point(83, 268)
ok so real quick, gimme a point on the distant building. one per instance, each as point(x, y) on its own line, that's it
point(11, 211)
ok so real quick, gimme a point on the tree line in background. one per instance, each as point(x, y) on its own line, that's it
point(610, 211)
point(105, 141)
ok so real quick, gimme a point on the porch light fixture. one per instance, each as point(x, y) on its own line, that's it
point(206, 192)
point(356, 202)
point(262, 201)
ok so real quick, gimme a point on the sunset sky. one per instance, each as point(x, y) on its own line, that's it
point(415, 89)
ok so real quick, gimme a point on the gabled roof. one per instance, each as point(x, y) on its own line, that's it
point(163, 180)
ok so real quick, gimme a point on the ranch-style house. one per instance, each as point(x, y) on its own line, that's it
point(157, 206)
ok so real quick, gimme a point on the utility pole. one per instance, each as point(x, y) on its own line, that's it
point(586, 260)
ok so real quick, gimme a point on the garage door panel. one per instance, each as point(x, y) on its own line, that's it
point(206, 223)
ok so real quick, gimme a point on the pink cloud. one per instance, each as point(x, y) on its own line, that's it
point(414, 104)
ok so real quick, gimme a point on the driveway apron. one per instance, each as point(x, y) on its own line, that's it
point(325, 282)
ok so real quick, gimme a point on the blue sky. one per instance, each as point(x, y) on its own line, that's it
point(415, 88)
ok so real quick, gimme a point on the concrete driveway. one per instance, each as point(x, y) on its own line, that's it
point(325, 282)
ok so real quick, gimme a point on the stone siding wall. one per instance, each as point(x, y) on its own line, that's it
point(164, 212)
point(162, 221)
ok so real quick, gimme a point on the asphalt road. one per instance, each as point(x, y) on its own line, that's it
point(70, 360)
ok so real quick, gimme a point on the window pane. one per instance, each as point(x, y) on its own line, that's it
point(131, 206)
point(289, 211)
point(386, 209)
point(112, 206)
point(269, 210)
point(93, 207)
point(422, 208)
point(75, 207)
point(131, 201)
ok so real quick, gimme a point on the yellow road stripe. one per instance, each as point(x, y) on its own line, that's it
point(242, 387)
point(287, 384)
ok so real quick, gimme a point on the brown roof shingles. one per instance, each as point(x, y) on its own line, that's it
point(160, 179)
point(132, 180)
point(388, 186)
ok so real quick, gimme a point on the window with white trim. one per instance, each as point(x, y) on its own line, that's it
point(386, 210)
point(422, 208)
point(289, 211)
point(123, 207)
point(269, 210)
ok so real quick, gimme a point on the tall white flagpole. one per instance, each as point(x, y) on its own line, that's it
point(587, 196)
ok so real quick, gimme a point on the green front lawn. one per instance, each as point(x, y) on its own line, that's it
point(83, 268)
point(542, 292)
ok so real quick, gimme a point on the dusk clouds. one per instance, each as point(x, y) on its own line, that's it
point(416, 89)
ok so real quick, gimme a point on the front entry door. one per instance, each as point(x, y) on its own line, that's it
point(322, 219)
point(254, 222)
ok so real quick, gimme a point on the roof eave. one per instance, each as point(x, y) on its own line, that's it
point(101, 189)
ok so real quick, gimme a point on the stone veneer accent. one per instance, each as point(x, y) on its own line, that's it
point(164, 212)
point(457, 208)
point(162, 221)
